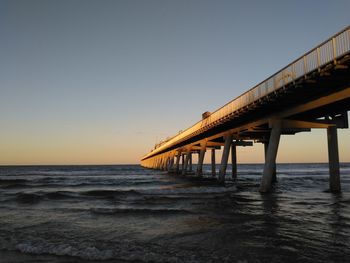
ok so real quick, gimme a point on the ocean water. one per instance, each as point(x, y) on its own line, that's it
point(131, 214)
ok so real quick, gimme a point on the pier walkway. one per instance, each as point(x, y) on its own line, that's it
point(311, 92)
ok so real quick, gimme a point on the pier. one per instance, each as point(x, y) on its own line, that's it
point(312, 92)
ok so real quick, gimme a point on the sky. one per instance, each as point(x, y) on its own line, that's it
point(100, 82)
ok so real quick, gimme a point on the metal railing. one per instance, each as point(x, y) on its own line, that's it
point(329, 51)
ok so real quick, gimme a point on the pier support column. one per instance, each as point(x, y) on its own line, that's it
point(187, 159)
point(157, 162)
point(171, 163)
point(190, 163)
point(213, 166)
point(274, 177)
point(164, 165)
point(160, 163)
point(182, 162)
point(270, 160)
point(201, 159)
point(234, 161)
point(177, 167)
point(224, 158)
point(333, 158)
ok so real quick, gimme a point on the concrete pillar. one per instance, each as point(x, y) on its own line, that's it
point(213, 166)
point(333, 159)
point(274, 176)
point(270, 161)
point(172, 163)
point(177, 167)
point(201, 159)
point(187, 159)
point(224, 158)
point(171, 166)
point(182, 162)
point(163, 163)
point(234, 161)
point(190, 163)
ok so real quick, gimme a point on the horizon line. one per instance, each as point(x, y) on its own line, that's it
point(218, 165)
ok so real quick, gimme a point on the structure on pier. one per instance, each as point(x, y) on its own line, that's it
point(311, 92)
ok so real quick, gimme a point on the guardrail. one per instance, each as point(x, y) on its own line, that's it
point(329, 51)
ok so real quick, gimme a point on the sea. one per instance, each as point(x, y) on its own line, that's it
point(126, 213)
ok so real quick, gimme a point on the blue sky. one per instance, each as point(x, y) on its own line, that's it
point(102, 81)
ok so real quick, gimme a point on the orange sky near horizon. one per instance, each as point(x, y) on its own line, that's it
point(305, 147)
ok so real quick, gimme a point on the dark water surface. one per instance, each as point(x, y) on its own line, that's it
point(131, 214)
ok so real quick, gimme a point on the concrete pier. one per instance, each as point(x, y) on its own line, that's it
point(312, 92)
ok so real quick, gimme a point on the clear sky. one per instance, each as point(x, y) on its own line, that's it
point(102, 81)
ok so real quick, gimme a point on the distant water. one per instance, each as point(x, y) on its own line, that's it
point(131, 214)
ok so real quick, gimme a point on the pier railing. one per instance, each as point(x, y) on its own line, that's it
point(327, 52)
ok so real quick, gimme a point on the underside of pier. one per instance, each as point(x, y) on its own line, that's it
point(319, 99)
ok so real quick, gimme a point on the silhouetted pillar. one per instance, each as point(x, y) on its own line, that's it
point(213, 168)
point(187, 159)
point(224, 158)
point(201, 159)
point(234, 161)
point(164, 163)
point(177, 168)
point(182, 162)
point(274, 176)
point(160, 162)
point(171, 163)
point(270, 161)
point(190, 163)
point(333, 157)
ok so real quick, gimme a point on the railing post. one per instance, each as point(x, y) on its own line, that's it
point(334, 44)
point(305, 66)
